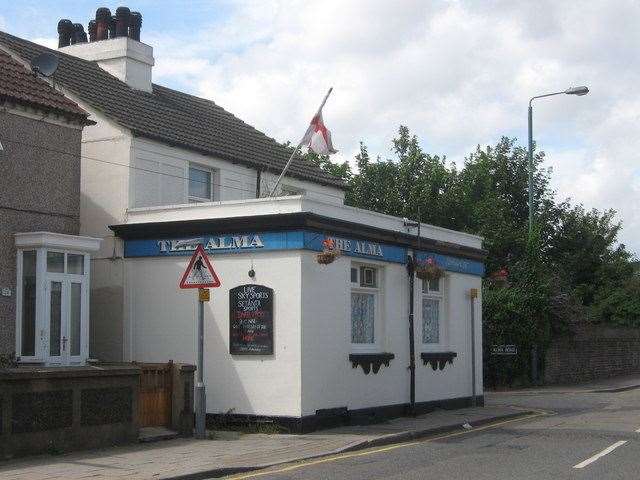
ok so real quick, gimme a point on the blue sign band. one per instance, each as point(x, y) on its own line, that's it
point(292, 240)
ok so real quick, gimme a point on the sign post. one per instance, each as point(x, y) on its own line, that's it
point(200, 274)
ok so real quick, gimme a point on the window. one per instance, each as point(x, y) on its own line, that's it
point(28, 285)
point(432, 311)
point(200, 184)
point(365, 299)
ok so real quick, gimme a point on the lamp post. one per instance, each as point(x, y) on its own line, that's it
point(569, 91)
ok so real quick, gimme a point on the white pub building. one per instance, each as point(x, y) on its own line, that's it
point(329, 339)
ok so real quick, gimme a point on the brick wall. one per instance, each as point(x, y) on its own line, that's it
point(593, 353)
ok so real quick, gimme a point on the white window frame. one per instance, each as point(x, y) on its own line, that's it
point(42, 243)
point(443, 323)
point(378, 293)
point(212, 171)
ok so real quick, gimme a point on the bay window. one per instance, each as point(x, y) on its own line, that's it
point(52, 297)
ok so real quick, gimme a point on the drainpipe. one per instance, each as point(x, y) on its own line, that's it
point(411, 267)
point(473, 293)
point(258, 180)
point(412, 347)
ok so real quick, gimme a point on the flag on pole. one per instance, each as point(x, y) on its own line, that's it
point(318, 137)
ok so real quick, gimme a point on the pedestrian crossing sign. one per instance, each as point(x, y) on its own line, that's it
point(199, 273)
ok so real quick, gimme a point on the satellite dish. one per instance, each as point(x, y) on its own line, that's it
point(45, 64)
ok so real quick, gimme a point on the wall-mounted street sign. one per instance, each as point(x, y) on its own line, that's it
point(251, 320)
point(504, 350)
point(199, 273)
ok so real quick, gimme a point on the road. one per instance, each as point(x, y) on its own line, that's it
point(590, 436)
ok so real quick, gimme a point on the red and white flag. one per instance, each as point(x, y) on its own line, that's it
point(318, 137)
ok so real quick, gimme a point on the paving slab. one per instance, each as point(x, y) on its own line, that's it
point(230, 452)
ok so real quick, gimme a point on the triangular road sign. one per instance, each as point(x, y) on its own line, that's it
point(199, 273)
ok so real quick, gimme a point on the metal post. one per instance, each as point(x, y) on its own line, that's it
point(201, 405)
point(534, 350)
point(530, 170)
point(473, 294)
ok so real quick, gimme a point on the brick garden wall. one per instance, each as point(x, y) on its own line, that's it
point(591, 354)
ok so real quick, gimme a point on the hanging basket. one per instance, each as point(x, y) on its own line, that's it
point(329, 252)
point(327, 256)
point(429, 270)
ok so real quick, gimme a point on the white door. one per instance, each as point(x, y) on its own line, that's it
point(65, 309)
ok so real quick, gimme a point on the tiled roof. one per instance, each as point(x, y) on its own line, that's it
point(172, 117)
point(20, 85)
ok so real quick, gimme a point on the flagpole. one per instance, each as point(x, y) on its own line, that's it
point(286, 167)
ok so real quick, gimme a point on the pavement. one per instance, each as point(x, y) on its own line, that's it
point(227, 453)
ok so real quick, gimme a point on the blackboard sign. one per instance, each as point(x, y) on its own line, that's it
point(251, 320)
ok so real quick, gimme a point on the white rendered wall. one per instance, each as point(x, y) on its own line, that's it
point(163, 327)
point(313, 191)
point(328, 379)
point(160, 174)
point(104, 197)
point(455, 380)
point(168, 184)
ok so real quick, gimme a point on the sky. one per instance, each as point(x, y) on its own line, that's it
point(458, 74)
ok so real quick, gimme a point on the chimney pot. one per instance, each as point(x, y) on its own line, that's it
point(103, 18)
point(123, 14)
point(79, 35)
point(92, 29)
point(65, 31)
point(135, 25)
point(112, 27)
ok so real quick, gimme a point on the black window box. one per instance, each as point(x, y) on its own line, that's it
point(438, 360)
point(370, 361)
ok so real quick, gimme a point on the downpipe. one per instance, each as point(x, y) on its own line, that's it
point(412, 357)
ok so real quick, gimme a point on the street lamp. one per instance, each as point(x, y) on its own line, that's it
point(569, 91)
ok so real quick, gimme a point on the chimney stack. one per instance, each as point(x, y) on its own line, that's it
point(114, 44)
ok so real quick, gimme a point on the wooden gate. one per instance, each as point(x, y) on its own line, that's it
point(154, 406)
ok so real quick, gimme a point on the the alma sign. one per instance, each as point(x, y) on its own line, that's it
point(232, 242)
point(235, 242)
point(358, 246)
